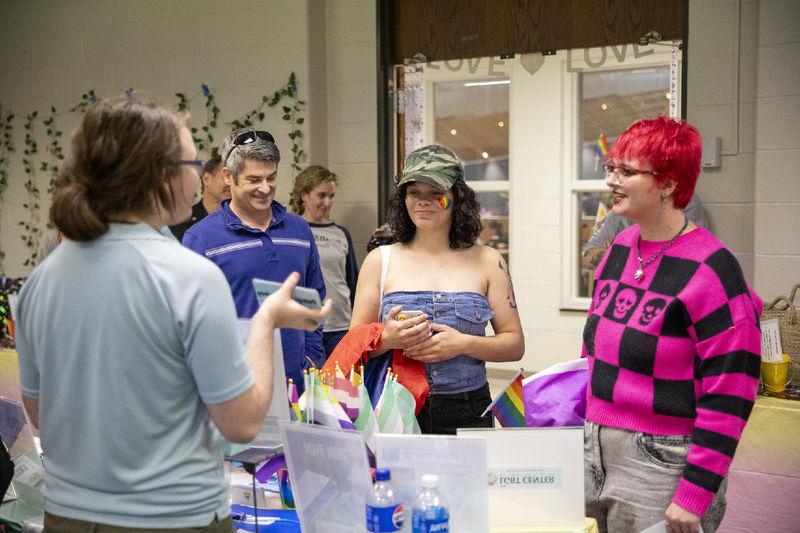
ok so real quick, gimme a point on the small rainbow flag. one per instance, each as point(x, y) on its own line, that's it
point(602, 146)
point(602, 212)
point(294, 405)
point(444, 201)
point(508, 407)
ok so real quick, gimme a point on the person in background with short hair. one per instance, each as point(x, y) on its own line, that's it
point(598, 243)
point(673, 343)
point(438, 268)
point(312, 198)
point(254, 236)
point(214, 191)
point(131, 363)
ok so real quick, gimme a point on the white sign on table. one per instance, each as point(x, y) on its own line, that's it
point(330, 477)
point(535, 476)
point(460, 463)
point(269, 435)
point(771, 348)
point(28, 470)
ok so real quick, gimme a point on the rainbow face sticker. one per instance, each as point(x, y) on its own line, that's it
point(445, 201)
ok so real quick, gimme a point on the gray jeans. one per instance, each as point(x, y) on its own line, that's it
point(630, 478)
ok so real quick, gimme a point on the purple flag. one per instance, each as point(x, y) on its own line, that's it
point(556, 396)
point(270, 467)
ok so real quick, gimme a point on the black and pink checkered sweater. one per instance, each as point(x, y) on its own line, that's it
point(676, 353)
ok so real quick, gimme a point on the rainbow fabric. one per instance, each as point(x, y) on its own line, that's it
point(508, 407)
point(602, 146)
point(444, 201)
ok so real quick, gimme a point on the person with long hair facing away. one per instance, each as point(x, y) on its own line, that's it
point(673, 343)
point(131, 362)
point(437, 268)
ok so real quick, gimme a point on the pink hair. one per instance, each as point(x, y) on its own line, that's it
point(672, 146)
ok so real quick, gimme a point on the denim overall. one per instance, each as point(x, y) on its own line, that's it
point(459, 392)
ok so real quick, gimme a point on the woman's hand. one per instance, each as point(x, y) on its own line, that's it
point(400, 334)
point(679, 520)
point(446, 344)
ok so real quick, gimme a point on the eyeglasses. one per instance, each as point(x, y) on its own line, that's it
point(196, 163)
point(622, 172)
point(247, 138)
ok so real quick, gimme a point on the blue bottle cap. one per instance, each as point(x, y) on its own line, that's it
point(382, 474)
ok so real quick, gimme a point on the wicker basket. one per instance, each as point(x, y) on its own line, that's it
point(783, 309)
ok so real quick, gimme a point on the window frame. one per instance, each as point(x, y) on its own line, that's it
point(572, 186)
point(483, 72)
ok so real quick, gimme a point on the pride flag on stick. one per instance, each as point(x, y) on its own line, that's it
point(508, 407)
point(602, 146)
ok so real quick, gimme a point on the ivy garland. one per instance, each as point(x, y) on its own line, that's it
point(291, 107)
point(55, 151)
point(291, 114)
point(6, 148)
point(31, 233)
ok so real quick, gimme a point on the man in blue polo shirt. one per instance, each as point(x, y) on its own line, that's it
point(253, 236)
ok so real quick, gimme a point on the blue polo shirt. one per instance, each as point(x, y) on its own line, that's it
point(244, 253)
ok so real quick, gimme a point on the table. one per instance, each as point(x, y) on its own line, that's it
point(764, 479)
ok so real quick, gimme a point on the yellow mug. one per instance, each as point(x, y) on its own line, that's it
point(775, 376)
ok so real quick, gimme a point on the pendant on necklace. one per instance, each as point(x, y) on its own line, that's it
point(638, 275)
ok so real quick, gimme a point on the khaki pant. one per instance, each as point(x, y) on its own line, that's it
point(59, 524)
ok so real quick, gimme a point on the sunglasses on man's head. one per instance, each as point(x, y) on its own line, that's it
point(249, 137)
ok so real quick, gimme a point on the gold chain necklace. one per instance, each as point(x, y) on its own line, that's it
point(639, 274)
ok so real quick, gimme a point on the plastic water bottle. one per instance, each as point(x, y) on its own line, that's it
point(430, 514)
point(384, 506)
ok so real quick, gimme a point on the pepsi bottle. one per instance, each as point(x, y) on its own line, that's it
point(430, 514)
point(384, 506)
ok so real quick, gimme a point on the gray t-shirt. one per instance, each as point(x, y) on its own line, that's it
point(339, 270)
point(124, 340)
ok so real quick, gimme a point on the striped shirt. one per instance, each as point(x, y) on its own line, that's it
point(244, 253)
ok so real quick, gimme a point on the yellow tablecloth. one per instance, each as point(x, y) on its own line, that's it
point(9, 375)
point(590, 527)
point(764, 479)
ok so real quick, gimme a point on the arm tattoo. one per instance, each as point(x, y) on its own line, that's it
point(512, 300)
point(597, 257)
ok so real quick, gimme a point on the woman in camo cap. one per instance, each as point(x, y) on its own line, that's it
point(437, 267)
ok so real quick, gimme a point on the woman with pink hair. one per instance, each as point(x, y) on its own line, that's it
point(673, 343)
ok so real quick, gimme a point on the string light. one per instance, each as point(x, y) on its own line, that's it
point(604, 106)
point(485, 155)
point(453, 131)
point(501, 124)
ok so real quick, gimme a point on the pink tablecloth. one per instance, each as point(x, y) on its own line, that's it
point(764, 480)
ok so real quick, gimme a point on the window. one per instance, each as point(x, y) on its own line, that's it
point(471, 118)
point(605, 102)
point(464, 105)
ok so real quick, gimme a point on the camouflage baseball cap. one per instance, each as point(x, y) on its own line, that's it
point(433, 164)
